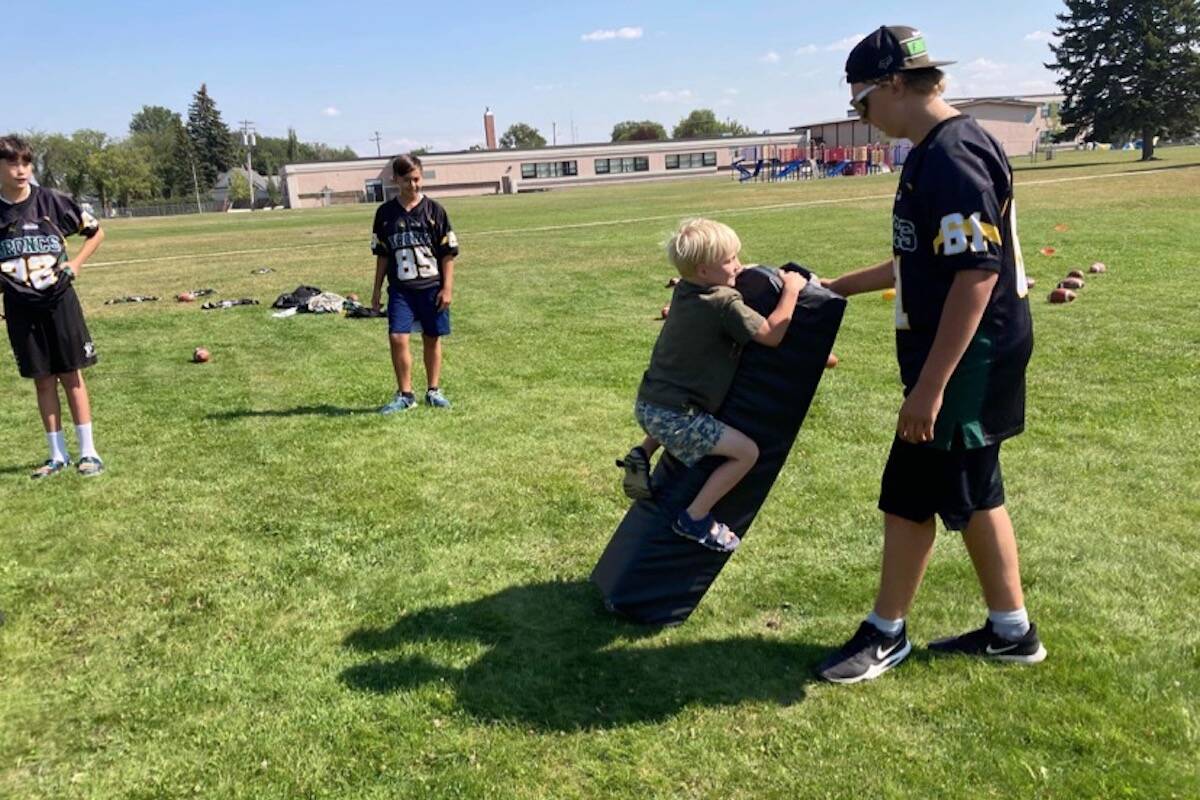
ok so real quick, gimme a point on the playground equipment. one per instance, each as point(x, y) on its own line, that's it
point(806, 161)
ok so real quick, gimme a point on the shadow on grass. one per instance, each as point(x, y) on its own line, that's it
point(324, 410)
point(15, 468)
point(556, 660)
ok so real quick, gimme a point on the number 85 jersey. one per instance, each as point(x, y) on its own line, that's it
point(414, 242)
point(954, 211)
point(33, 245)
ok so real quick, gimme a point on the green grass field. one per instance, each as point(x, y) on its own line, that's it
point(276, 593)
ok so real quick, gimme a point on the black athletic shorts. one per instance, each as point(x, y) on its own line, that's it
point(52, 340)
point(921, 481)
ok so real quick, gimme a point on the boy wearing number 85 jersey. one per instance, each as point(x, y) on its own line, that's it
point(415, 248)
point(963, 340)
point(45, 323)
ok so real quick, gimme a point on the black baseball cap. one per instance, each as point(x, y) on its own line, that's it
point(891, 49)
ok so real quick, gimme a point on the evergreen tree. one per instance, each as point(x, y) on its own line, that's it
point(1129, 68)
point(211, 145)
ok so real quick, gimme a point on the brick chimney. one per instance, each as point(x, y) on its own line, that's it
point(489, 128)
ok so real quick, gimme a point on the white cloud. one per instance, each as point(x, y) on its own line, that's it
point(984, 67)
point(844, 45)
point(769, 57)
point(1039, 36)
point(731, 92)
point(807, 50)
point(330, 111)
point(605, 34)
point(667, 96)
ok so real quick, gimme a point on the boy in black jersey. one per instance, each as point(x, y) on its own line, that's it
point(45, 323)
point(963, 340)
point(415, 247)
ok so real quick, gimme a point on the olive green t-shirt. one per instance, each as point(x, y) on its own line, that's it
point(698, 347)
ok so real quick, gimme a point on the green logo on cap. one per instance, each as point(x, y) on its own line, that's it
point(915, 47)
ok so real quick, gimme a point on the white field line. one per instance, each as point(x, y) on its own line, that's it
point(606, 222)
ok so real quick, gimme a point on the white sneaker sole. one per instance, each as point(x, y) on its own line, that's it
point(1032, 658)
point(878, 669)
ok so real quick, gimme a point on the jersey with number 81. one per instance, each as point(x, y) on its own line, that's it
point(955, 211)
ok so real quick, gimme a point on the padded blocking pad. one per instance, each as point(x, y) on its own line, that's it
point(651, 575)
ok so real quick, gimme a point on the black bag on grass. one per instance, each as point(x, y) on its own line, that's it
point(296, 299)
point(649, 574)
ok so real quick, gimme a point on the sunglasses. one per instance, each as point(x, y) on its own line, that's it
point(859, 101)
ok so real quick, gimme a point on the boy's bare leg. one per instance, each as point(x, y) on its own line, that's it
point(907, 546)
point(740, 453)
point(432, 347)
point(401, 360)
point(77, 396)
point(48, 403)
point(650, 445)
point(992, 545)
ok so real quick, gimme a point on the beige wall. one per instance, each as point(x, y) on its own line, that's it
point(1017, 127)
point(484, 171)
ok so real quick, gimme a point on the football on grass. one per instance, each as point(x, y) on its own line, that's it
point(1071, 283)
point(201, 355)
point(1062, 296)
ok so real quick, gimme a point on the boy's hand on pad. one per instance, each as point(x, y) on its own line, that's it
point(794, 281)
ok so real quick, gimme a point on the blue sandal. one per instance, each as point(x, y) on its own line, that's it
point(706, 532)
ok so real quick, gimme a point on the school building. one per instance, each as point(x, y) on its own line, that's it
point(1018, 122)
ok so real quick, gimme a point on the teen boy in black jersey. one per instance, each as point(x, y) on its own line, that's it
point(963, 339)
point(415, 248)
point(45, 324)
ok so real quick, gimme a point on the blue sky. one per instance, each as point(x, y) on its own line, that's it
point(421, 73)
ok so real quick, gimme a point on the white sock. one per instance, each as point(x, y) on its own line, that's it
point(58, 446)
point(1011, 625)
point(86, 446)
point(891, 627)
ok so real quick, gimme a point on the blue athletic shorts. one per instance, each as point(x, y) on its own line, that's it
point(687, 435)
point(409, 306)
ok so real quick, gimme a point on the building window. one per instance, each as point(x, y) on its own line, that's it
point(606, 166)
point(549, 169)
point(692, 160)
point(374, 190)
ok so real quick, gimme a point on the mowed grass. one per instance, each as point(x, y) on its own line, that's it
point(276, 593)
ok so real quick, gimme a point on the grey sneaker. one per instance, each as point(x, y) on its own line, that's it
point(90, 466)
point(397, 404)
point(869, 653)
point(51, 467)
point(435, 398)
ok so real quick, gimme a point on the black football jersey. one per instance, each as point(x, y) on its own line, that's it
point(954, 210)
point(414, 242)
point(33, 244)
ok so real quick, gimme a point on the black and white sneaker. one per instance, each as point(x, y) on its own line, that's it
point(987, 643)
point(869, 653)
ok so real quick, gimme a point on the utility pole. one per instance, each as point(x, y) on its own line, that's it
point(249, 140)
point(553, 133)
point(376, 138)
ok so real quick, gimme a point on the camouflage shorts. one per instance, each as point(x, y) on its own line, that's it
point(688, 435)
